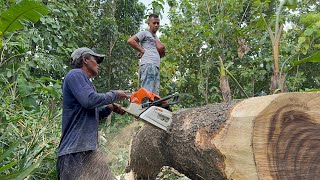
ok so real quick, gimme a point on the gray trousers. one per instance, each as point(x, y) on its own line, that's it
point(150, 77)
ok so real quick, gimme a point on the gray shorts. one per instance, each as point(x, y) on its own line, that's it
point(83, 166)
point(150, 77)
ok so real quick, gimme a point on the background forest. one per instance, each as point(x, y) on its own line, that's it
point(217, 50)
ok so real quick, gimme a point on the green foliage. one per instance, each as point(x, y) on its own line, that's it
point(18, 169)
point(309, 19)
point(34, 60)
point(157, 7)
point(314, 58)
point(213, 29)
point(27, 10)
point(309, 39)
point(292, 4)
point(217, 28)
point(128, 16)
point(29, 100)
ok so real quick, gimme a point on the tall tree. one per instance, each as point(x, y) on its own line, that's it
point(235, 30)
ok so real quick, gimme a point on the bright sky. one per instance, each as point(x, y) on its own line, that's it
point(164, 20)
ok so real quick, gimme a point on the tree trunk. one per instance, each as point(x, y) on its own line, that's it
point(268, 137)
point(225, 89)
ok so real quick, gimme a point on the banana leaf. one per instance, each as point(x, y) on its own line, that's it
point(315, 58)
point(27, 10)
point(24, 171)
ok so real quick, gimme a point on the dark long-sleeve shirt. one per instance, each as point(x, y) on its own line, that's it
point(81, 113)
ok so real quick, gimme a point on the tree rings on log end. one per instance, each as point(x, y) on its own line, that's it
point(286, 138)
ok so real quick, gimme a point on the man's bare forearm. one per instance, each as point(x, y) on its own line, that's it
point(134, 42)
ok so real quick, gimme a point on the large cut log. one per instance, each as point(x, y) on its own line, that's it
point(268, 137)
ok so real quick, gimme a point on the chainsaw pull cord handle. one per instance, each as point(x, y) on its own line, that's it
point(159, 101)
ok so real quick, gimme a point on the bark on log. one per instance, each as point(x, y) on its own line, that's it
point(269, 137)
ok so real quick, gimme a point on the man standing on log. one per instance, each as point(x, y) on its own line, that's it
point(78, 157)
point(150, 51)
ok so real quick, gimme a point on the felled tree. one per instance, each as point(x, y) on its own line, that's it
point(269, 137)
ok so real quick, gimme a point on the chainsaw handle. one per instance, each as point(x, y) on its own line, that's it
point(167, 97)
point(159, 101)
point(174, 101)
point(154, 103)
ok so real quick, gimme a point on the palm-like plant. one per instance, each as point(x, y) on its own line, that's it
point(19, 159)
point(14, 168)
point(12, 18)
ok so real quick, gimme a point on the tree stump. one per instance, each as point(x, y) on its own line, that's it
point(267, 137)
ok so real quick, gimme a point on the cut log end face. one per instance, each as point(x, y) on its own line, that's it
point(286, 141)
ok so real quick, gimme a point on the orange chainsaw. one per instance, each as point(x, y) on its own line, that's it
point(152, 108)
